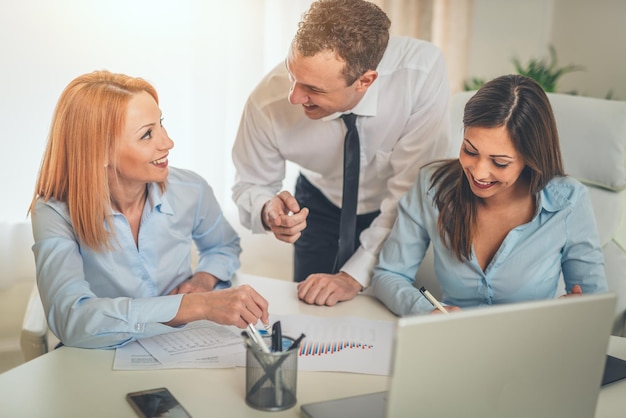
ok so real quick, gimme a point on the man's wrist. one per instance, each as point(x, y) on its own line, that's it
point(356, 284)
point(267, 228)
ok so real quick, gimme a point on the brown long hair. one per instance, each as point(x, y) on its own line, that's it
point(84, 134)
point(520, 104)
point(356, 30)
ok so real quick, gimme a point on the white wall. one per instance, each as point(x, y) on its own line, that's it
point(204, 57)
point(501, 31)
point(584, 32)
point(592, 34)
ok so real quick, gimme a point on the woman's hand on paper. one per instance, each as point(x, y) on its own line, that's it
point(238, 306)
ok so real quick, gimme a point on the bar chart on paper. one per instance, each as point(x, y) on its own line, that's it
point(345, 344)
point(321, 348)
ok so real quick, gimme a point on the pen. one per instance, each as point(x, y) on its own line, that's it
point(277, 337)
point(247, 340)
point(432, 299)
point(256, 337)
point(277, 346)
point(296, 343)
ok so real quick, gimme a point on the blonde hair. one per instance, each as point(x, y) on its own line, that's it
point(84, 134)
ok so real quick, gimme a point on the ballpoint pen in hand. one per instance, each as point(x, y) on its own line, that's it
point(432, 300)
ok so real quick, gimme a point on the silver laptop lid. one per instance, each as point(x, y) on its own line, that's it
point(531, 359)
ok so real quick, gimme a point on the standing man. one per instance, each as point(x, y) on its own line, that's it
point(348, 103)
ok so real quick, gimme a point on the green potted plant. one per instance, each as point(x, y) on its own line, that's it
point(546, 72)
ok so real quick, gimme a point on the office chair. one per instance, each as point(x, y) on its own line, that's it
point(34, 335)
point(17, 278)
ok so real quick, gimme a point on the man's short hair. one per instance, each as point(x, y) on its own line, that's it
point(356, 30)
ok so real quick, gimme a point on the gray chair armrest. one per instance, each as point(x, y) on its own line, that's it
point(34, 333)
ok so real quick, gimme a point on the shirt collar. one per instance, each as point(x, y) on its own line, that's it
point(157, 200)
point(367, 106)
point(554, 196)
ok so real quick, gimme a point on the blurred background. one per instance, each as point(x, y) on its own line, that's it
point(204, 58)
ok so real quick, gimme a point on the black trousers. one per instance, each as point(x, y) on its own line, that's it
point(316, 249)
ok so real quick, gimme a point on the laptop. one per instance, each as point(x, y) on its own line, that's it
point(529, 359)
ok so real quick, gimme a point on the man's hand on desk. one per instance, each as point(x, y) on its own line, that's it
point(328, 289)
point(282, 215)
point(238, 306)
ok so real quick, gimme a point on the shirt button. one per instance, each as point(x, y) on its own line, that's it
point(138, 327)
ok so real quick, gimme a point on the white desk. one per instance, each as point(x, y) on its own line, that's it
point(72, 382)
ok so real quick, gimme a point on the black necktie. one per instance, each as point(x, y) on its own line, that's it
point(347, 224)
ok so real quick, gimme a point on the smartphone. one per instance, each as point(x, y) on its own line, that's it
point(157, 402)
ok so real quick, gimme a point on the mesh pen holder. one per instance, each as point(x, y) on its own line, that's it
point(271, 377)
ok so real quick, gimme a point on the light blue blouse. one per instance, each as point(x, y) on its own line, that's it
point(561, 238)
point(108, 298)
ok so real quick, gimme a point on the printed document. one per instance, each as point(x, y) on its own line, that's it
point(340, 344)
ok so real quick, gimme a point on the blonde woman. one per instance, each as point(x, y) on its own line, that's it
point(114, 224)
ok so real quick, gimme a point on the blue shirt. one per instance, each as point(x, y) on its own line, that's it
point(561, 238)
point(106, 298)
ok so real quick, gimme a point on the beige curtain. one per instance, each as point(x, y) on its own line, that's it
point(446, 23)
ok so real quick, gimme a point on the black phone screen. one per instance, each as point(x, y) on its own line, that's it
point(155, 403)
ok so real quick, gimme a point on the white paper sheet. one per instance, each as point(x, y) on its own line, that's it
point(199, 339)
point(341, 344)
point(202, 344)
point(134, 357)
